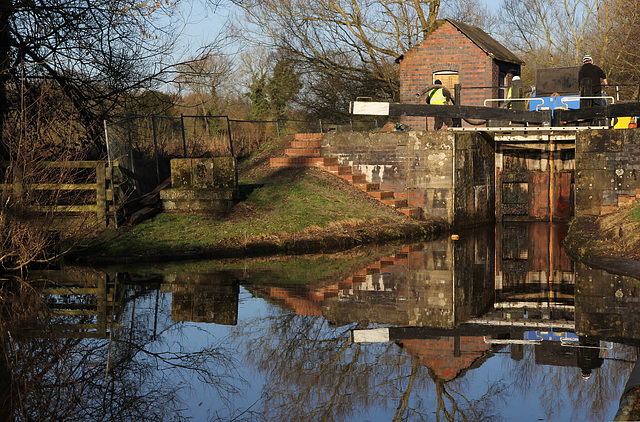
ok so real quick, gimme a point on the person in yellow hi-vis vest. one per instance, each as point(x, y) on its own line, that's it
point(439, 95)
point(509, 104)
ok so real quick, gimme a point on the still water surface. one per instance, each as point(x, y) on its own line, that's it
point(497, 325)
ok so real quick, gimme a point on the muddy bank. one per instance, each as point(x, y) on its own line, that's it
point(318, 241)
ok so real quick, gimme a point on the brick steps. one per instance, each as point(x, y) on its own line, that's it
point(368, 187)
point(339, 170)
point(306, 151)
point(382, 194)
point(354, 178)
point(306, 144)
point(302, 152)
point(313, 136)
point(303, 161)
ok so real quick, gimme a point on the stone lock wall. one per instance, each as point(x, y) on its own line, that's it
point(447, 174)
point(607, 171)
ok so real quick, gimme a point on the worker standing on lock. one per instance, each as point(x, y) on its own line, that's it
point(439, 95)
point(589, 72)
point(517, 84)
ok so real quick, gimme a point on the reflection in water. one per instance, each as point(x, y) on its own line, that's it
point(87, 346)
point(447, 329)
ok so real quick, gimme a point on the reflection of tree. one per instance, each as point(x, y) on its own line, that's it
point(314, 372)
point(122, 378)
point(590, 396)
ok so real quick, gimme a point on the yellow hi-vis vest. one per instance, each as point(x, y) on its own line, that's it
point(437, 97)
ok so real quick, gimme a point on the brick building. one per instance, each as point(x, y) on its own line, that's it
point(456, 53)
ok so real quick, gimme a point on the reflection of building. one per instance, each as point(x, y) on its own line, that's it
point(203, 298)
point(451, 304)
point(448, 357)
point(438, 284)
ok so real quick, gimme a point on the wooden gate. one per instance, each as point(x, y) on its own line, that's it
point(99, 181)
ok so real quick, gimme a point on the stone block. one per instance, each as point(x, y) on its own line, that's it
point(590, 161)
point(203, 173)
point(599, 141)
point(181, 173)
point(198, 200)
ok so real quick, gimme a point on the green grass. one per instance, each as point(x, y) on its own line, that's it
point(635, 214)
point(285, 205)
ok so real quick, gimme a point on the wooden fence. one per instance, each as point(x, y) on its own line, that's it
point(103, 206)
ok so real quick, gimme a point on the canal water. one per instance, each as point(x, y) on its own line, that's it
point(496, 325)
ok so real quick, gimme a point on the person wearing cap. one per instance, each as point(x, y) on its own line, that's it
point(595, 74)
point(439, 95)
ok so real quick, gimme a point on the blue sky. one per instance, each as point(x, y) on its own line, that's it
point(204, 24)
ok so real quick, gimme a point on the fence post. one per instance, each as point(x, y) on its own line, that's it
point(278, 127)
point(184, 139)
point(235, 162)
point(155, 147)
point(111, 184)
point(18, 176)
point(101, 193)
point(131, 161)
point(321, 126)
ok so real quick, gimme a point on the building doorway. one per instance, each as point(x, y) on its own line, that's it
point(449, 80)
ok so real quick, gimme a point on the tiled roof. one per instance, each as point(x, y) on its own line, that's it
point(487, 43)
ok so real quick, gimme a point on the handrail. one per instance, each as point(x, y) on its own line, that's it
point(574, 98)
point(510, 100)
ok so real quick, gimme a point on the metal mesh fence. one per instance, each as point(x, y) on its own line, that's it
point(143, 146)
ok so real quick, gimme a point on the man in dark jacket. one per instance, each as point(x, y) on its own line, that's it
point(593, 72)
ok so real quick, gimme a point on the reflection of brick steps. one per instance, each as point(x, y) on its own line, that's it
point(623, 201)
point(360, 277)
point(309, 302)
point(305, 151)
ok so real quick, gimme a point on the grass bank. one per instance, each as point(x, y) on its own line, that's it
point(290, 210)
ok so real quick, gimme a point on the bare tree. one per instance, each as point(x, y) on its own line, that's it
point(548, 33)
point(616, 37)
point(96, 52)
point(472, 12)
point(205, 78)
point(357, 40)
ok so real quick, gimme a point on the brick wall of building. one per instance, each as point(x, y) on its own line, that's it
point(446, 49)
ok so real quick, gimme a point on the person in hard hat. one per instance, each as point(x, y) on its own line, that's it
point(439, 95)
point(596, 75)
point(509, 93)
